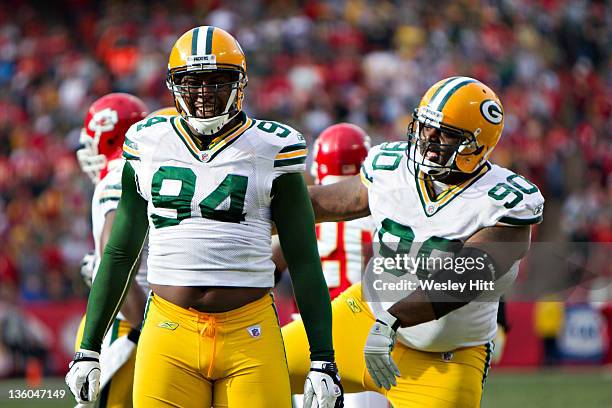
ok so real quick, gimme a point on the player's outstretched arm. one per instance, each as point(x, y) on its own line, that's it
point(342, 201)
point(294, 218)
point(422, 306)
point(109, 288)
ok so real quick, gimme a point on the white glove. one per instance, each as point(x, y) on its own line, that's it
point(83, 376)
point(88, 264)
point(322, 388)
point(379, 345)
point(117, 354)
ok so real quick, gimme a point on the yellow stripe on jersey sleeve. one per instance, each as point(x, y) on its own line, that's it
point(297, 157)
point(365, 179)
point(129, 153)
point(291, 155)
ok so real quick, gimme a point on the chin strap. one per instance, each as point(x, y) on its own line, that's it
point(210, 126)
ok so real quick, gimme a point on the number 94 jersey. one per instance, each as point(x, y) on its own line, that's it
point(209, 210)
point(411, 218)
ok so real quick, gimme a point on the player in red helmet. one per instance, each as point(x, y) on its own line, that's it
point(343, 246)
point(103, 132)
point(339, 151)
point(102, 136)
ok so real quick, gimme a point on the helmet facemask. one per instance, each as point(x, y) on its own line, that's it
point(207, 99)
point(90, 160)
point(434, 158)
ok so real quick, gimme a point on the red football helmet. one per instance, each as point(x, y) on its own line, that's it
point(338, 152)
point(106, 123)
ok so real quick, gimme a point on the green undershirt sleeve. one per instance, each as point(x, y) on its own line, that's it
point(118, 264)
point(294, 218)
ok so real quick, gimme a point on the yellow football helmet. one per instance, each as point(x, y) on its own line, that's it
point(463, 107)
point(205, 50)
point(167, 111)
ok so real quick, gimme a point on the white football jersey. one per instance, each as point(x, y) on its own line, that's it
point(105, 199)
point(406, 214)
point(209, 210)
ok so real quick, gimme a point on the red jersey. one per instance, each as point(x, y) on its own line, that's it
point(344, 248)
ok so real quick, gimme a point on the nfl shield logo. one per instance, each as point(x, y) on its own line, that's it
point(431, 209)
point(204, 156)
point(254, 331)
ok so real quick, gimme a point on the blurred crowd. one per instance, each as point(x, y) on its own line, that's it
point(310, 64)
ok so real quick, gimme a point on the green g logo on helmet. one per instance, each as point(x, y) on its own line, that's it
point(491, 111)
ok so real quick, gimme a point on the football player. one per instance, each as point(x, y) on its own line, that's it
point(102, 136)
point(344, 248)
point(208, 184)
point(436, 194)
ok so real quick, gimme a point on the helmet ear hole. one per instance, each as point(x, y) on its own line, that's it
point(467, 164)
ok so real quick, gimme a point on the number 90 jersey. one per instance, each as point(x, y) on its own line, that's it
point(209, 210)
point(410, 218)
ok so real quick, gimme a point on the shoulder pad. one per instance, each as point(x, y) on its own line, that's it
point(279, 133)
point(518, 199)
point(289, 146)
point(383, 157)
point(143, 133)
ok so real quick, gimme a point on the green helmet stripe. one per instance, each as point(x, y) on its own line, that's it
point(209, 36)
point(447, 90)
point(451, 92)
point(440, 88)
point(194, 41)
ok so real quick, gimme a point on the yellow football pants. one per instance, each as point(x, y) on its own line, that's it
point(437, 380)
point(118, 392)
point(190, 359)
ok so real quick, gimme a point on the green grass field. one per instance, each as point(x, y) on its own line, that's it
point(549, 389)
point(575, 388)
